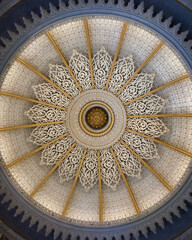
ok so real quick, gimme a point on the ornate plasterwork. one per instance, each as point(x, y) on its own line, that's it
point(117, 120)
point(97, 141)
point(155, 22)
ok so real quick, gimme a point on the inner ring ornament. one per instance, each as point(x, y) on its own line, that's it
point(112, 131)
point(96, 118)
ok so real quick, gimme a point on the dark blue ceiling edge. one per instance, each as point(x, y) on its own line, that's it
point(24, 8)
point(82, 10)
point(23, 230)
point(45, 19)
point(6, 5)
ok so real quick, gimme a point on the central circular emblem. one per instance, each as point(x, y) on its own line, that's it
point(96, 119)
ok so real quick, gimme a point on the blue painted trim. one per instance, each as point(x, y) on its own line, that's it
point(169, 7)
point(186, 3)
point(104, 229)
point(98, 11)
point(6, 6)
point(10, 231)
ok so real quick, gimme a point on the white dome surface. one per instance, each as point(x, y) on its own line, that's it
point(117, 204)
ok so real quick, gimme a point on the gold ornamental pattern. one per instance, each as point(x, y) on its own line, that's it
point(96, 117)
point(126, 149)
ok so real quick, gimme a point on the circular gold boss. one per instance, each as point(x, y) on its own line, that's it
point(96, 118)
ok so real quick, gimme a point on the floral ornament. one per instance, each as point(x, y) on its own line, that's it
point(140, 84)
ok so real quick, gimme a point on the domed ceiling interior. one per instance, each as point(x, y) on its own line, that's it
point(96, 120)
point(151, 171)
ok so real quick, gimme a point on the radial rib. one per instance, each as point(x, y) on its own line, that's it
point(29, 126)
point(74, 184)
point(52, 170)
point(150, 168)
point(42, 76)
point(159, 88)
point(35, 151)
point(162, 143)
point(30, 100)
point(126, 183)
point(116, 53)
point(100, 190)
point(63, 59)
point(89, 50)
point(141, 66)
point(161, 115)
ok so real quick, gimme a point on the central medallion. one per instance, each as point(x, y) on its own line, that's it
point(96, 119)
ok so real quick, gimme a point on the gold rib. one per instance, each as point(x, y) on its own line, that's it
point(162, 143)
point(159, 88)
point(147, 166)
point(141, 66)
point(89, 51)
point(116, 53)
point(74, 184)
point(162, 115)
point(35, 151)
point(30, 100)
point(42, 76)
point(126, 183)
point(52, 170)
point(29, 126)
point(62, 58)
point(100, 190)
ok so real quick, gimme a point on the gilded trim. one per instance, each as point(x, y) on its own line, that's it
point(190, 9)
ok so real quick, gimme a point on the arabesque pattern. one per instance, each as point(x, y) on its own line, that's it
point(123, 70)
point(168, 64)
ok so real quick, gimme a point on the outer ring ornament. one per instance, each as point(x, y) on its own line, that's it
point(84, 9)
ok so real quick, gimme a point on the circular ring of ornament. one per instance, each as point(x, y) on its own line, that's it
point(92, 136)
point(96, 119)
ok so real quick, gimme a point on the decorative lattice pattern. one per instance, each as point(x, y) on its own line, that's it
point(68, 168)
point(153, 127)
point(139, 85)
point(40, 114)
point(129, 163)
point(123, 70)
point(166, 65)
point(47, 93)
point(53, 153)
point(61, 77)
point(44, 134)
point(101, 67)
point(151, 104)
point(109, 171)
point(89, 173)
point(79, 64)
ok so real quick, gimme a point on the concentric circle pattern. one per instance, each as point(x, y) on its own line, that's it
point(96, 138)
point(99, 116)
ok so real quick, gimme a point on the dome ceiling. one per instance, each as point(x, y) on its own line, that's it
point(96, 120)
point(81, 151)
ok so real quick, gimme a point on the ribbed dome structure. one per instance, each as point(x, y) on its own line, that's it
point(96, 115)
